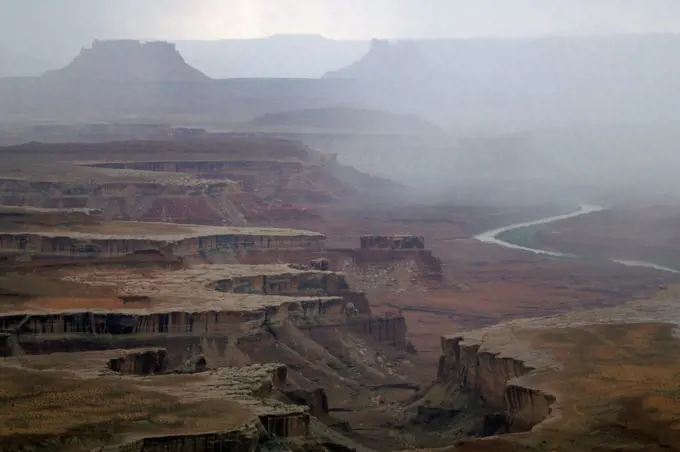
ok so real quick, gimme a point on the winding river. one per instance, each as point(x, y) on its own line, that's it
point(493, 237)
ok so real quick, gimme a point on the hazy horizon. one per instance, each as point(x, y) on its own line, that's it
point(34, 23)
point(481, 88)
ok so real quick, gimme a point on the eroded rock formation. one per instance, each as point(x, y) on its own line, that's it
point(497, 379)
point(144, 326)
point(141, 362)
point(386, 329)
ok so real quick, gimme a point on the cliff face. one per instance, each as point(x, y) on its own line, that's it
point(387, 330)
point(129, 60)
point(141, 362)
point(498, 380)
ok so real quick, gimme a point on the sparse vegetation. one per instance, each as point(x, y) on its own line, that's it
point(619, 387)
point(39, 407)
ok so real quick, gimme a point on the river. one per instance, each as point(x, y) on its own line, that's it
point(493, 237)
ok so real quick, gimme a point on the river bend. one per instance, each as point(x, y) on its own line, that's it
point(492, 237)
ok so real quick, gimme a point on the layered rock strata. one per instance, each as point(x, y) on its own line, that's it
point(101, 239)
point(214, 304)
point(503, 367)
point(501, 381)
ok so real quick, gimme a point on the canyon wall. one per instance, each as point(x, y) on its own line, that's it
point(387, 330)
point(245, 439)
point(497, 379)
point(186, 340)
point(197, 202)
point(140, 362)
point(187, 321)
point(67, 244)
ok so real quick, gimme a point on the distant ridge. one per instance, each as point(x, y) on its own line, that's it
point(357, 120)
point(129, 60)
point(385, 59)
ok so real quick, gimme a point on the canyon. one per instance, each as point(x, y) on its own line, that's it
point(251, 293)
point(240, 349)
point(261, 338)
point(390, 257)
point(167, 288)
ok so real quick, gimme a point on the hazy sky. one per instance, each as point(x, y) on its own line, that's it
point(76, 22)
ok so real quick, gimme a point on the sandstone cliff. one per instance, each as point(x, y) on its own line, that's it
point(497, 379)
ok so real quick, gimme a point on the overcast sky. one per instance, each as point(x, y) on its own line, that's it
point(50, 23)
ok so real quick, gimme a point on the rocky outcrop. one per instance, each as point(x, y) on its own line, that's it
point(373, 266)
point(315, 399)
point(140, 362)
point(498, 380)
point(127, 60)
point(386, 329)
point(8, 345)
